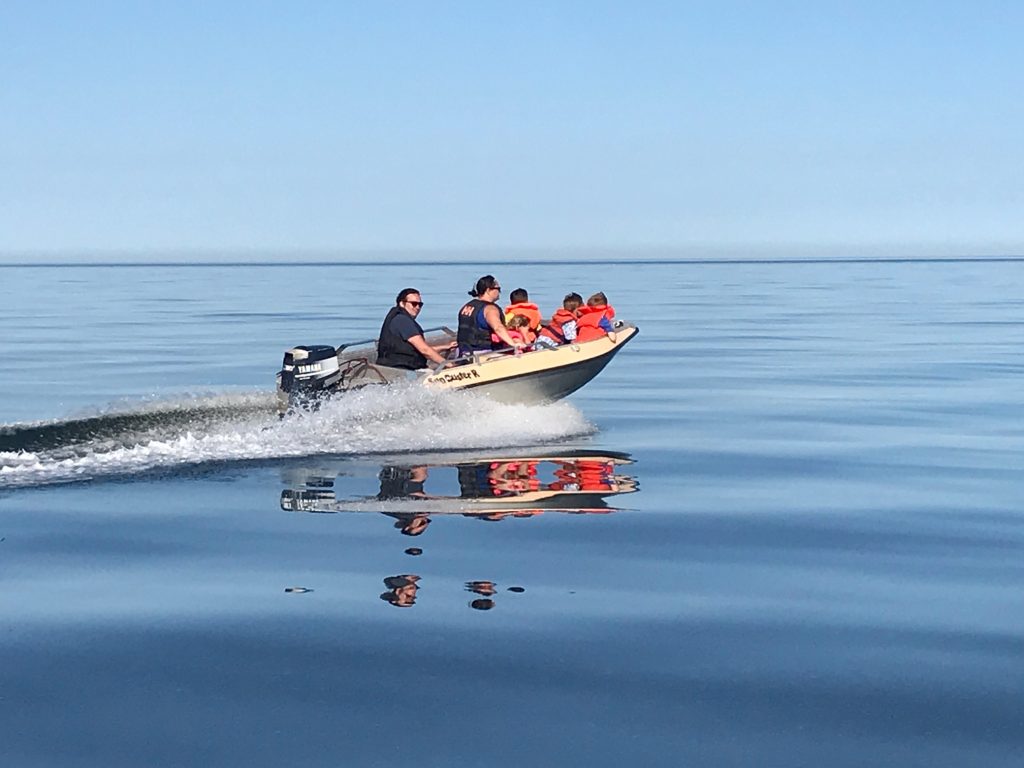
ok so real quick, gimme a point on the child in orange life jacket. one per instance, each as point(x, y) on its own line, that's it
point(520, 305)
point(595, 319)
point(562, 328)
point(518, 329)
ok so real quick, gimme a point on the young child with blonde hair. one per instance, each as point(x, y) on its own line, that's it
point(519, 329)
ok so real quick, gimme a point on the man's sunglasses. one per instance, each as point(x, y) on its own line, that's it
point(415, 303)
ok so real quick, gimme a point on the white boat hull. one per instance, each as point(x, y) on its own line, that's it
point(534, 377)
point(538, 376)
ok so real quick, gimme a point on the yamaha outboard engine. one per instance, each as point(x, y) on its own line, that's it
point(307, 375)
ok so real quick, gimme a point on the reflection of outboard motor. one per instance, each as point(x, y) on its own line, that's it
point(308, 374)
point(308, 500)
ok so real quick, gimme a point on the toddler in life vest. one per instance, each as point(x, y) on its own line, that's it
point(562, 328)
point(519, 329)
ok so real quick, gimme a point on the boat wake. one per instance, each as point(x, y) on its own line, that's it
point(181, 433)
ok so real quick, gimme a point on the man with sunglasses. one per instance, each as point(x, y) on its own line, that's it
point(401, 343)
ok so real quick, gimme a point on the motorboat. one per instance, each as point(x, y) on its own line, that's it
point(537, 375)
point(486, 486)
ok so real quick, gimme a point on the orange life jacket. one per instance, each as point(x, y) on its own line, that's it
point(553, 330)
point(524, 308)
point(566, 478)
point(587, 324)
point(595, 476)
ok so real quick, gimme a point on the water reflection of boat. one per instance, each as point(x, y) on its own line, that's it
point(490, 486)
point(414, 489)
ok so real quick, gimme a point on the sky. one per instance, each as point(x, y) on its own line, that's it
point(840, 128)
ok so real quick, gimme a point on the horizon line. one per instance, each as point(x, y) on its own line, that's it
point(554, 262)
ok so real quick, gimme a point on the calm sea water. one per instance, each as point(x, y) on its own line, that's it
point(784, 526)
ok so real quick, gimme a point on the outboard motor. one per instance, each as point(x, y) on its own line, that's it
point(308, 374)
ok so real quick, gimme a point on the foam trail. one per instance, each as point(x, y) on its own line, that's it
point(372, 420)
point(151, 417)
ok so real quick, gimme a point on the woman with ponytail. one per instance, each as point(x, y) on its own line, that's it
point(480, 317)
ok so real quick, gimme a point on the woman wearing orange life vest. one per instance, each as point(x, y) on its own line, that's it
point(594, 320)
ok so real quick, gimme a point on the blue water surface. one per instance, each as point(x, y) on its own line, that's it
point(801, 543)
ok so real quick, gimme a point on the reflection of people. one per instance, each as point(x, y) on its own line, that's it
point(402, 482)
point(495, 479)
point(584, 475)
point(513, 477)
point(473, 480)
point(405, 483)
point(401, 590)
point(410, 525)
point(595, 475)
point(401, 343)
point(567, 477)
point(480, 317)
point(484, 588)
